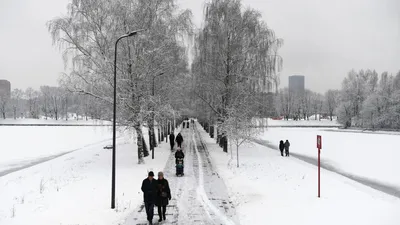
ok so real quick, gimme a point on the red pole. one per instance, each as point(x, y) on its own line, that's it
point(319, 173)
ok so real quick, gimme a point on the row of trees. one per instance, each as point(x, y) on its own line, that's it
point(49, 102)
point(235, 57)
point(150, 66)
point(368, 100)
point(303, 105)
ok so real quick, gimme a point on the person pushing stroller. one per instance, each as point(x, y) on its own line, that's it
point(179, 155)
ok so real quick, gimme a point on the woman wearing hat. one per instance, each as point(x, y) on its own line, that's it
point(163, 196)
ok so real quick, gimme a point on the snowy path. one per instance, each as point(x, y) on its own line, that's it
point(388, 189)
point(200, 196)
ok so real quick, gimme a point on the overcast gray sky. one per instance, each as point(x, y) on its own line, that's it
point(324, 39)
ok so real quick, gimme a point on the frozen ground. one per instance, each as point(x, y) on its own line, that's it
point(23, 146)
point(270, 189)
point(372, 156)
point(75, 188)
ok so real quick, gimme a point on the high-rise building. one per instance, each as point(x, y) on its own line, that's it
point(296, 84)
point(5, 89)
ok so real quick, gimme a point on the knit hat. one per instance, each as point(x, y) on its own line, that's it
point(151, 174)
point(161, 174)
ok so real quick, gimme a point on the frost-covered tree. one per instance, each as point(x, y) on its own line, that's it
point(16, 102)
point(234, 49)
point(87, 36)
point(331, 102)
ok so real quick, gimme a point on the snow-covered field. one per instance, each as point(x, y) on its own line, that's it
point(55, 122)
point(296, 123)
point(369, 155)
point(75, 188)
point(21, 146)
point(270, 189)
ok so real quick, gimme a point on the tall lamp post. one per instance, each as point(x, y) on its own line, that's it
point(129, 34)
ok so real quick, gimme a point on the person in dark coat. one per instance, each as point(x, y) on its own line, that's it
point(172, 140)
point(163, 196)
point(179, 155)
point(287, 145)
point(179, 140)
point(281, 147)
point(149, 188)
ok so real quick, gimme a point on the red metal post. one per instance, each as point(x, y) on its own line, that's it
point(319, 173)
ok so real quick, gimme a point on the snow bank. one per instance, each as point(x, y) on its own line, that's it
point(371, 155)
point(75, 188)
point(270, 189)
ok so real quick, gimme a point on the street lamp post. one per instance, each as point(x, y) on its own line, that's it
point(115, 116)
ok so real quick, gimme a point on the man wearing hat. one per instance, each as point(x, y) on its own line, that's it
point(149, 188)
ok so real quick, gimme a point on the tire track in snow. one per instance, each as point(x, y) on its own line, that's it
point(202, 193)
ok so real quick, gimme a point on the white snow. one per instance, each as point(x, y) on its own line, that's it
point(270, 189)
point(76, 188)
point(22, 145)
point(54, 122)
point(370, 155)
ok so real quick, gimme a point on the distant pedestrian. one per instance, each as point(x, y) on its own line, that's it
point(179, 140)
point(163, 196)
point(172, 140)
point(281, 147)
point(149, 188)
point(287, 145)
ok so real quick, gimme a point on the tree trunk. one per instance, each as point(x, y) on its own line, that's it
point(237, 156)
point(15, 113)
point(139, 140)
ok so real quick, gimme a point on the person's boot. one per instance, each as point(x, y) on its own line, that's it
point(160, 219)
point(164, 217)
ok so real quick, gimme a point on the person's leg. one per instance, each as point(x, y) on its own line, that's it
point(159, 213)
point(151, 212)
point(164, 211)
point(146, 206)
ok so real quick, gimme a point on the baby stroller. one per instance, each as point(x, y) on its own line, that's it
point(179, 167)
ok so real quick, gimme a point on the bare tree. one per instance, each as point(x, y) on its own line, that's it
point(234, 48)
point(88, 34)
point(331, 101)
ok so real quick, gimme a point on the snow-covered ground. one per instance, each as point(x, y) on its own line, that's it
point(270, 189)
point(21, 146)
point(75, 188)
point(55, 122)
point(296, 123)
point(369, 155)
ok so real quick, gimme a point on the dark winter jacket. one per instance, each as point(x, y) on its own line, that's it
point(179, 138)
point(179, 155)
point(171, 138)
point(149, 189)
point(281, 145)
point(163, 187)
point(287, 145)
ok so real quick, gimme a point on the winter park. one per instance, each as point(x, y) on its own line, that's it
point(213, 112)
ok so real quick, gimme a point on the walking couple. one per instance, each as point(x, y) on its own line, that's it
point(284, 146)
point(156, 192)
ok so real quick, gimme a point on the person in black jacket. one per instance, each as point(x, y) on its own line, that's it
point(149, 188)
point(172, 141)
point(179, 155)
point(179, 140)
point(163, 196)
point(281, 147)
point(287, 145)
